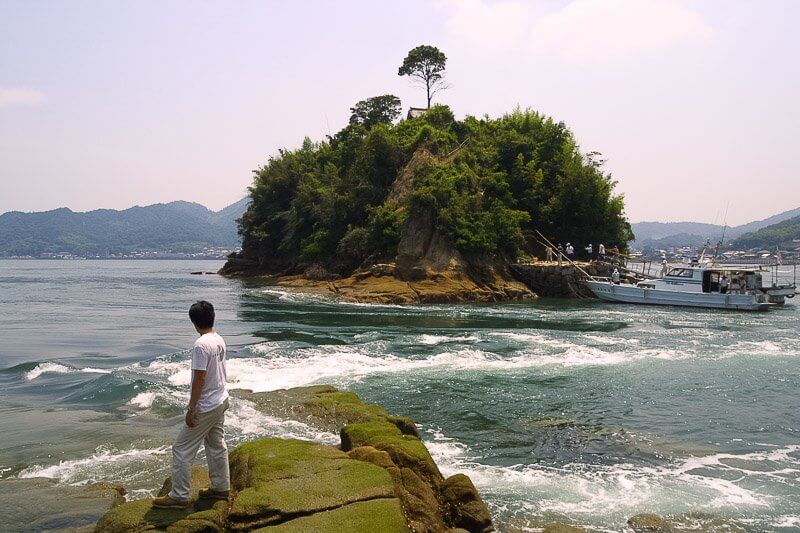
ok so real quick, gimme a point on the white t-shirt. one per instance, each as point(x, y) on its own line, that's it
point(209, 355)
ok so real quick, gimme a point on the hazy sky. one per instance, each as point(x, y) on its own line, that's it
point(111, 104)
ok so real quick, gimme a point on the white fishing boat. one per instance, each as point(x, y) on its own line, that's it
point(709, 285)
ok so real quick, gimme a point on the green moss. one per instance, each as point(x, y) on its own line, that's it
point(384, 515)
point(364, 434)
point(262, 460)
point(212, 519)
point(347, 406)
point(281, 497)
point(139, 516)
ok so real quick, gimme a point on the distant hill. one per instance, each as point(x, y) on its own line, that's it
point(785, 234)
point(676, 234)
point(177, 226)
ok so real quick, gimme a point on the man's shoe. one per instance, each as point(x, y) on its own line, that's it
point(165, 502)
point(211, 494)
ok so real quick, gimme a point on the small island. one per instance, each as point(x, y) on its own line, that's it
point(424, 209)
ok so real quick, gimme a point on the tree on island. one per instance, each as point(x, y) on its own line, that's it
point(425, 65)
point(376, 110)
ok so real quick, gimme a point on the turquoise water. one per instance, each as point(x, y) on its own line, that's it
point(584, 410)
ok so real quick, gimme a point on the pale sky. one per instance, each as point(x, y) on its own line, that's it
point(111, 104)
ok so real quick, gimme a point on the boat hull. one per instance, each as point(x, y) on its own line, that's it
point(642, 295)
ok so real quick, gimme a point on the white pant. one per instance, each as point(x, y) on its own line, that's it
point(208, 430)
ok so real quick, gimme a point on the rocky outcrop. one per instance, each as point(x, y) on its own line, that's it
point(40, 504)
point(554, 281)
point(368, 433)
point(381, 479)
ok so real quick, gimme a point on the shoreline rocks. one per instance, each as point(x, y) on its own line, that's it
point(382, 284)
point(382, 478)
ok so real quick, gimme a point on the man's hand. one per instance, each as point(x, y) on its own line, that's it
point(198, 378)
point(191, 418)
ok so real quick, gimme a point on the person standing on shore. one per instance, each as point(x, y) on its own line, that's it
point(601, 252)
point(549, 254)
point(570, 252)
point(560, 254)
point(205, 416)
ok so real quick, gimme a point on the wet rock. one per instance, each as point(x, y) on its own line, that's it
point(466, 506)
point(278, 480)
point(384, 515)
point(648, 522)
point(40, 504)
point(140, 515)
point(199, 480)
point(562, 528)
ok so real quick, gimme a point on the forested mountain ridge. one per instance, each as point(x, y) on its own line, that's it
point(677, 234)
point(485, 185)
point(784, 234)
point(176, 226)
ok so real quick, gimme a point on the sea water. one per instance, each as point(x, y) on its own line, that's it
point(579, 410)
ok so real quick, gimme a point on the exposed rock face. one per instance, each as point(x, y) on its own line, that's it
point(551, 280)
point(39, 504)
point(382, 479)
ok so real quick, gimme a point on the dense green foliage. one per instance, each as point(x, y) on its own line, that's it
point(178, 227)
point(376, 110)
point(783, 234)
point(488, 186)
point(425, 64)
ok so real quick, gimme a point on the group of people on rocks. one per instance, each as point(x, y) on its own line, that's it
point(568, 251)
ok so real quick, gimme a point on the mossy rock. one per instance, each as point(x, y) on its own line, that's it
point(321, 406)
point(648, 522)
point(199, 480)
point(382, 515)
point(263, 460)
point(562, 528)
point(203, 521)
point(405, 450)
point(280, 479)
point(139, 515)
point(467, 509)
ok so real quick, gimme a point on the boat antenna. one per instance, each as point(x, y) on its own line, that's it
point(722, 239)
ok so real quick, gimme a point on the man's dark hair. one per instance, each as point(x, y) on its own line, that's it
point(202, 314)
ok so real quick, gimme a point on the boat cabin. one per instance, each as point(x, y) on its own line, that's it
point(704, 278)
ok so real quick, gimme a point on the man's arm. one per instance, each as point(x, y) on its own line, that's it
point(198, 379)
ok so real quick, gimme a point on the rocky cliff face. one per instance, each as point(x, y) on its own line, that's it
point(382, 478)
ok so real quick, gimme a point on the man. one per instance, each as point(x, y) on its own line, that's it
point(723, 285)
point(601, 252)
point(560, 254)
point(205, 416)
point(590, 251)
point(570, 252)
point(549, 255)
point(615, 277)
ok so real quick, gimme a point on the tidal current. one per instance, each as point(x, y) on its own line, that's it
point(556, 409)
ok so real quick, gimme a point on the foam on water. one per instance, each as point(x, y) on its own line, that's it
point(57, 368)
point(276, 366)
point(724, 483)
point(251, 423)
point(106, 463)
